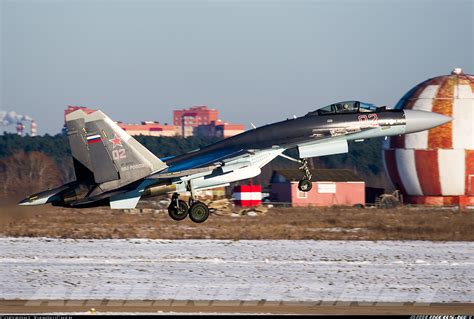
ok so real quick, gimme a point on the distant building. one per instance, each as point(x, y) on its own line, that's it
point(34, 128)
point(203, 121)
point(188, 119)
point(330, 187)
point(148, 128)
point(198, 120)
point(219, 129)
point(20, 128)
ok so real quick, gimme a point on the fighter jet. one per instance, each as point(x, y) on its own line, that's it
point(113, 169)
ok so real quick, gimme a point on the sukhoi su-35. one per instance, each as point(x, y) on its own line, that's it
point(112, 168)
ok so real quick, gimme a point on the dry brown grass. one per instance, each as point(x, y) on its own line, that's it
point(278, 223)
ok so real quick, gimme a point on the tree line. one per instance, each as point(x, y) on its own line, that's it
point(45, 161)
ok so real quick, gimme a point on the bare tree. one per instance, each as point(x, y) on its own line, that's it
point(24, 173)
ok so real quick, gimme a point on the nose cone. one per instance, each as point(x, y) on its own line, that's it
point(417, 121)
point(24, 202)
point(34, 200)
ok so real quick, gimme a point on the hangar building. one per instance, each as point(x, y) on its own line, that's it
point(330, 187)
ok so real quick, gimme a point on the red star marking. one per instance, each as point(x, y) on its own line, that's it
point(116, 141)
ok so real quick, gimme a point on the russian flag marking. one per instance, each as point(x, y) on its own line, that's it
point(93, 139)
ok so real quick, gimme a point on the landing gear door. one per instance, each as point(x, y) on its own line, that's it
point(323, 149)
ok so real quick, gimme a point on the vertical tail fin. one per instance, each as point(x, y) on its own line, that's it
point(105, 154)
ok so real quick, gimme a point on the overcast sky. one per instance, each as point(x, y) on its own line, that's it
point(256, 61)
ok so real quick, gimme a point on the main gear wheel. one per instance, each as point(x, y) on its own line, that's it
point(198, 212)
point(178, 209)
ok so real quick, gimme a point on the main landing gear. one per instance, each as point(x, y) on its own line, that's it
point(305, 183)
point(178, 209)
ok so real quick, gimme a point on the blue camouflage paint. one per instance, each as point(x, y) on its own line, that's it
point(199, 160)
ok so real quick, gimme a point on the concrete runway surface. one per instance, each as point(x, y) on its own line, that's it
point(265, 276)
point(166, 307)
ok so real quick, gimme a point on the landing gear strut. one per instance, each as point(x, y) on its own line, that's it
point(178, 209)
point(305, 184)
point(198, 211)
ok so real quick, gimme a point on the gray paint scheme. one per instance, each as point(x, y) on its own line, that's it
point(103, 166)
point(123, 169)
point(113, 165)
point(306, 130)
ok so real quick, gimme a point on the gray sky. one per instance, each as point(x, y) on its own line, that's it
point(256, 61)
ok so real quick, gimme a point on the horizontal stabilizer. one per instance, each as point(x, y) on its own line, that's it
point(127, 200)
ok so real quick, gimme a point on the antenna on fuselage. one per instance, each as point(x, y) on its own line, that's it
point(253, 125)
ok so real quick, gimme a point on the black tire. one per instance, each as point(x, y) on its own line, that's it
point(305, 185)
point(178, 212)
point(199, 212)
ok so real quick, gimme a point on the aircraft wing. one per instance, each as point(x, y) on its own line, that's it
point(187, 172)
point(201, 165)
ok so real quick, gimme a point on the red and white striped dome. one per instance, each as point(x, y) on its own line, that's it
point(438, 162)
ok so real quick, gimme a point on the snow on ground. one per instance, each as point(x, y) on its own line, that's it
point(284, 270)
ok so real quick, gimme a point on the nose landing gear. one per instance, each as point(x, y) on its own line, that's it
point(305, 183)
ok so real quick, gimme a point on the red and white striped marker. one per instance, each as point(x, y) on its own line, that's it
point(438, 162)
point(248, 195)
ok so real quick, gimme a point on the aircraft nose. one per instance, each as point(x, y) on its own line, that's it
point(24, 202)
point(34, 200)
point(417, 121)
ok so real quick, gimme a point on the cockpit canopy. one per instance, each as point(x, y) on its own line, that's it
point(345, 107)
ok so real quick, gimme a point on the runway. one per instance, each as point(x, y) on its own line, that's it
point(166, 307)
point(272, 271)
